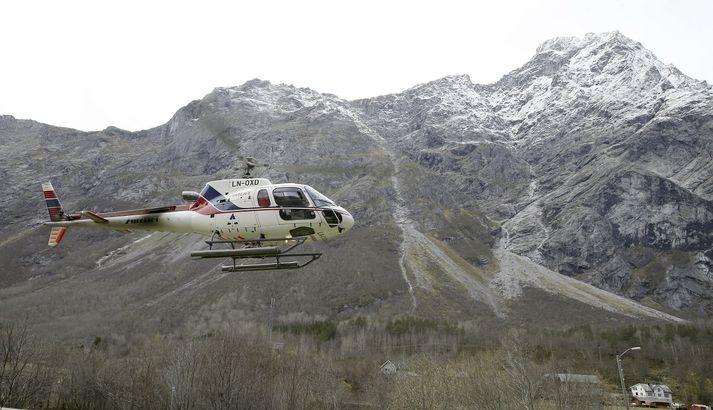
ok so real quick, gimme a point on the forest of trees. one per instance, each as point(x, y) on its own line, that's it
point(337, 365)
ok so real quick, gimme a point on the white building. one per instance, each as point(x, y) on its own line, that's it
point(389, 367)
point(657, 395)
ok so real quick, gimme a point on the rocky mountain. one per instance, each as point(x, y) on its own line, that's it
point(499, 203)
point(594, 158)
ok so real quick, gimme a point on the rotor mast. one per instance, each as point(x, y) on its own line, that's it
point(249, 165)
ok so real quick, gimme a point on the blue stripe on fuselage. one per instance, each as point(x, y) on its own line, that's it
point(215, 198)
point(210, 193)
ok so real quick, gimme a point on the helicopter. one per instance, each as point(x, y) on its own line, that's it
point(246, 218)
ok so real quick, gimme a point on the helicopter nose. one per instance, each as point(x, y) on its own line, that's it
point(347, 222)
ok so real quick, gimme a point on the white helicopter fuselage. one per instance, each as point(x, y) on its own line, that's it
point(229, 209)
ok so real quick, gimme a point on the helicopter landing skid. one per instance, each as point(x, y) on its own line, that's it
point(265, 248)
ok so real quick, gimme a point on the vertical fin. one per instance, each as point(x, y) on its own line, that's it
point(53, 206)
point(56, 235)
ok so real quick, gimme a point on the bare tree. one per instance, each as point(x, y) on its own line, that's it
point(77, 386)
point(132, 383)
point(526, 378)
point(569, 391)
point(234, 373)
point(181, 376)
point(24, 378)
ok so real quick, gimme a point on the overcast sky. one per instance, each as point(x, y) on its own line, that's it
point(132, 64)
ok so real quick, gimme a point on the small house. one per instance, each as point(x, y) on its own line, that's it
point(389, 368)
point(652, 395)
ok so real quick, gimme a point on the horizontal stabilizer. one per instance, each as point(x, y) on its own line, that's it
point(56, 235)
point(94, 217)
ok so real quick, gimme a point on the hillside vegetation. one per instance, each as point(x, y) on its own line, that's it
point(337, 365)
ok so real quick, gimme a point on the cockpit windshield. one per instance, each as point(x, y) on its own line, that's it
point(319, 199)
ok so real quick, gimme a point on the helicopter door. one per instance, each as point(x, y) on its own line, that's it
point(294, 207)
point(267, 214)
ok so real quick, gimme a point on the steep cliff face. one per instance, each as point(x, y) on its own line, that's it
point(476, 202)
point(591, 151)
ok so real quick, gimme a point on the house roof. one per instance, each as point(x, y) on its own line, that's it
point(388, 363)
point(652, 386)
point(662, 386)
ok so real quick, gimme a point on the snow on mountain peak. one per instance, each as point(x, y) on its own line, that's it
point(568, 44)
point(265, 96)
point(609, 54)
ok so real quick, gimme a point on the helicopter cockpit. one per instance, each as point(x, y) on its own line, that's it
point(297, 206)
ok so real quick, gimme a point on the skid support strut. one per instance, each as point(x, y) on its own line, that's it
point(266, 248)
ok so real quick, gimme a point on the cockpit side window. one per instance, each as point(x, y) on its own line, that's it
point(290, 196)
point(263, 198)
point(292, 199)
point(318, 198)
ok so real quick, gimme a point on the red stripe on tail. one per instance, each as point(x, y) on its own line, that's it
point(53, 206)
